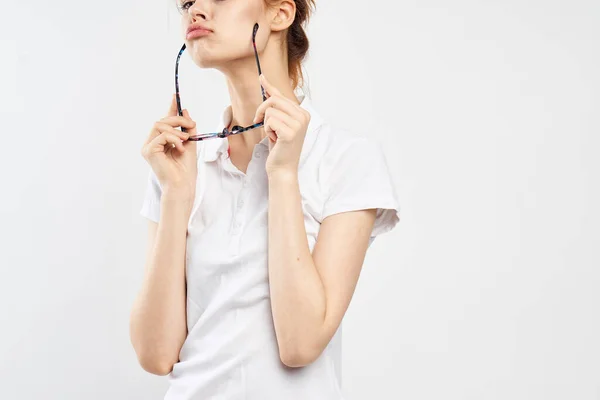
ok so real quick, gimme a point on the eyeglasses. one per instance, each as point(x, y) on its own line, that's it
point(225, 132)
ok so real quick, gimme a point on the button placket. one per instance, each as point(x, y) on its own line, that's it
point(238, 217)
point(234, 239)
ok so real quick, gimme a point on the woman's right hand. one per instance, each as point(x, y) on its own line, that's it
point(172, 157)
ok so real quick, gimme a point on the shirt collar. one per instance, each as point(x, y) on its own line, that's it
point(216, 146)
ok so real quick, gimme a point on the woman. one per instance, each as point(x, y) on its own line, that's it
point(257, 239)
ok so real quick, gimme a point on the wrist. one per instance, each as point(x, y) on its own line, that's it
point(180, 199)
point(178, 193)
point(284, 175)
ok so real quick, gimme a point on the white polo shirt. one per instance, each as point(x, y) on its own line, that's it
point(231, 350)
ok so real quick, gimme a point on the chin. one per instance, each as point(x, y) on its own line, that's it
point(204, 63)
point(215, 58)
point(204, 59)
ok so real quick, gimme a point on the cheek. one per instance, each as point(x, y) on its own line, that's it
point(242, 18)
point(235, 43)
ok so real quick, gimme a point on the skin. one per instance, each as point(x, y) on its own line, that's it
point(229, 50)
point(310, 292)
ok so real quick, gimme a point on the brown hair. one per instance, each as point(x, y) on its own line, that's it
point(297, 41)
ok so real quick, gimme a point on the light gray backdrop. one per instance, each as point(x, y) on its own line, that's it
point(489, 116)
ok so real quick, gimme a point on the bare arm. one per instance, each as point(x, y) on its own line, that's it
point(310, 292)
point(158, 325)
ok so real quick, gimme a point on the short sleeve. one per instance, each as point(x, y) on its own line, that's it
point(359, 178)
point(151, 203)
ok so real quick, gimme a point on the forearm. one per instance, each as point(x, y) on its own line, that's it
point(297, 294)
point(158, 322)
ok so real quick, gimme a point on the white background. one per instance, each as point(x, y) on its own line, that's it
point(489, 116)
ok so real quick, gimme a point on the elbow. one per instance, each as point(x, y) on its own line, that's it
point(296, 357)
point(153, 356)
point(155, 366)
point(154, 361)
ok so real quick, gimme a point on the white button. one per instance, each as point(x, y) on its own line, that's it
point(240, 203)
point(247, 182)
point(257, 154)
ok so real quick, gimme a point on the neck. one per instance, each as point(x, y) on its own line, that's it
point(245, 93)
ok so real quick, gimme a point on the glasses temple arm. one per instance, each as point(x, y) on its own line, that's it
point(257, 61)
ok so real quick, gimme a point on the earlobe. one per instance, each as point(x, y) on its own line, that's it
point(279, 25)
point(285, 16)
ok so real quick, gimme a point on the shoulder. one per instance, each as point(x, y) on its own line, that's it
point(334, 145)
point(351, 173)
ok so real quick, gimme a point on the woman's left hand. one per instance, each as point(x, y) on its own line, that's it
point(285, 123)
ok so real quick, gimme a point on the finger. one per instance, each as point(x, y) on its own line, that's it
point(280, 115)
point(192, 130)
point(270, 89)
point(173, 106)
point(154, 132)
point(278, 102)
point(272, 136)
point(177, 120)
point(277, 127)
point(264, 89)
point(170, 121)
point(166, 140)
point(162, 127)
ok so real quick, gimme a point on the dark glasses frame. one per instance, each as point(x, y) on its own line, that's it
point(225, 132)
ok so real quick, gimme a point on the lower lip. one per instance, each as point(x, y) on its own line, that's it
point(196, 33)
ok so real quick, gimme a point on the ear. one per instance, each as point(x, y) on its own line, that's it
point(283, 16)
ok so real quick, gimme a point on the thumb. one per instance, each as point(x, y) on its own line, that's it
point(173, 106)
point(191, 131)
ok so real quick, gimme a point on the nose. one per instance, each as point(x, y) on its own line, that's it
point(198, 10)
